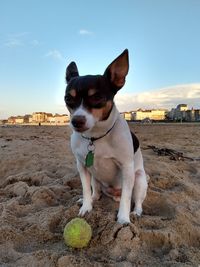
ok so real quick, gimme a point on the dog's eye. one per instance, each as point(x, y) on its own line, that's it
point(68, 99)
point(71, 101)
point(97, 100)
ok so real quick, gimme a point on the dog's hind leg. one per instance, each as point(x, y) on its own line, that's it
point(96, 189)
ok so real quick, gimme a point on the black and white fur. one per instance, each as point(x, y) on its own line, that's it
point(118, 169)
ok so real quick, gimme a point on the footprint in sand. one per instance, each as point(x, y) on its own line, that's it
point(157, 205)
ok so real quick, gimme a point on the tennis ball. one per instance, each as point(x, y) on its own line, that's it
point(77, 233)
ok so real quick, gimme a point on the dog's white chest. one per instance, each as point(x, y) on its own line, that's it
point(104, 168)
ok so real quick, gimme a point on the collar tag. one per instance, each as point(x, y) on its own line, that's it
point(89, 160)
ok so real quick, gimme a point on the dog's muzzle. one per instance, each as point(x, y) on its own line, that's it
point(78, 122)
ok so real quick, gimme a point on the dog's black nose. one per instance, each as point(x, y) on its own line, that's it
point(78, 121)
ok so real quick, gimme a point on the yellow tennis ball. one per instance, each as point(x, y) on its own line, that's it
point(77, 233)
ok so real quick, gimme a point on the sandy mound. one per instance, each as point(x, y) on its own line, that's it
point(39, 189)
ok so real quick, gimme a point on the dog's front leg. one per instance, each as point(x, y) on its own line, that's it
point(86, 185)
point(128, 178)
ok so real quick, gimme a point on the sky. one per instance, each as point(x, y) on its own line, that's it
point(38, 39)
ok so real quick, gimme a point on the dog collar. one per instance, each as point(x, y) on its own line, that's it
point(89, 160)
point(92, 139)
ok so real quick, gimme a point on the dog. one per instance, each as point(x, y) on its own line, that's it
point(108, 154)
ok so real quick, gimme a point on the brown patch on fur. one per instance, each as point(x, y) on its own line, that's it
point(72, 92)
point(91, 91)
point(116, 192)
point(102, 113)
point(107, 109)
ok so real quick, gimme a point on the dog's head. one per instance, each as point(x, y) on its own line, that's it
point(89, 98)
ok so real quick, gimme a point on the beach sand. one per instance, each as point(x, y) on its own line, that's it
point(40, 186)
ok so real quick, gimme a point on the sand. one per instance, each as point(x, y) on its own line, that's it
point(40, 186)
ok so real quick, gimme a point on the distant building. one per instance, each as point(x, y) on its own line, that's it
point(27, 118)
point(182, 107)
point(51, 119)
point(128, 116)
point(61, 118)
point(140, 114)
point(171, 114)
point(154, 114)
point(40, 117)
point(19, 119)
point(183, 113)
point(16, 120)
point(197, 114)
point(188, 115)
point(11, 120)
point(3, 121)
point(58, 119)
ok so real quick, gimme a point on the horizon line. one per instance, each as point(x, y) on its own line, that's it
point(132, 110)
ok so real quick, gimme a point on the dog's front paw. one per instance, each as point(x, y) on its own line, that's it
point(86, 207)
point(96, 197)
point(137, 212)
point(80, 201)
point(123, 219)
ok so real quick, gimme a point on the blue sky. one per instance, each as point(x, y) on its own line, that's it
point(39, 38)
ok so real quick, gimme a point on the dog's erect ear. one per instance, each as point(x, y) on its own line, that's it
point(71, 71)
point(117, 70)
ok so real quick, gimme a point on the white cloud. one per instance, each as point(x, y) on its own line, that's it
point(13, 43)
point(15, 39)
point(54, 54)
point(18, 34)
point(19, 39)
point(85, 32)
point(163, 98)
point(35, 42)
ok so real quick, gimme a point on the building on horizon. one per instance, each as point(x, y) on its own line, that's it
point(153, 114)
point(11, 120)
point(197, 114)
point(140, 115)
point(179, 114)
point(183, 113)
point(28, 118)
point(16, 120)
point(128, 116)
point(58, 119)
point(40, 117)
